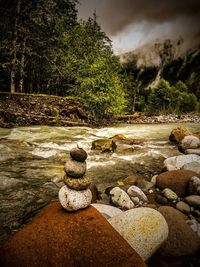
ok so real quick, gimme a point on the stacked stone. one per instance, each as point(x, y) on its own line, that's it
point(75, 194)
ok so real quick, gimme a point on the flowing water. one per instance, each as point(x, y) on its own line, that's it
point(32, 160)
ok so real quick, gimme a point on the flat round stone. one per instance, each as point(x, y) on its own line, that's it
point(78, 183)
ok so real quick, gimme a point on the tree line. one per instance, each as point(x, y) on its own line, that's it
point(45, 49)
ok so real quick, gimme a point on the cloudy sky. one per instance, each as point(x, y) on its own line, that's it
point(132, 23)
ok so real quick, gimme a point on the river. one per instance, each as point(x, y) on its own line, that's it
point(32, 160)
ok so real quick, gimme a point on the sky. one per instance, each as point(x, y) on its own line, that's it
point(133, 23)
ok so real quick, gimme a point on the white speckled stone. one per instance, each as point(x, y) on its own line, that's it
point(145, 229)
point(169, 194)
point(107, 210)
point(72, 200)
point(120, 198)
point(135, 191)
point(176, 163)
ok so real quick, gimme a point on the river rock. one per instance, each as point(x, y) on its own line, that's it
point(178, 134)
point(183, 207)
point(131, 180)
point(135, 191)
point(169, 194)
point(121, 139)
point(107, 210)
point(78, 183)
point(154, 179)
point(78, 154)
point(57, 238)
point(177, 162)
point(104, 145)
point(182, 240)
point(74, 168)
point(195, 226)
point(144, 185)
point(190, 141)
point(177, 180)
point(161, 200)
point(120, 198)
point(145, 229)
point(72, 200)
point(193, 200)
point(194, 186)
point(193, 166)
point(194, 151)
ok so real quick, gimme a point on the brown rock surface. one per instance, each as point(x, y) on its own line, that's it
point(178, 134)
point(182, 240)
point(177, 180)
point(57, 238)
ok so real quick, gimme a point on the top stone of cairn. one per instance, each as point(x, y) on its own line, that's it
point(78, 154)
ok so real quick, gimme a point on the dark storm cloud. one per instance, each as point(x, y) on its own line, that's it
point(125, 12)
point(115, 15)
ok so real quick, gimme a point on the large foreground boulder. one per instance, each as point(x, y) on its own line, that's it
point(145, 229)
point(61, 239)
point(177, 180)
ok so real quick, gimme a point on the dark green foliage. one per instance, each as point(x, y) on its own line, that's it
point(166, 99)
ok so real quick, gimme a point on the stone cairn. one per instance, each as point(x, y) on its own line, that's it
point(75, 194)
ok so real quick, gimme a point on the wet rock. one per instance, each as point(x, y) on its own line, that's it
point(161, 200)
point(177, 180)
point(95, 194)
point(55, 237)
point(183, 207)
point(190, 141)
point(181, 240)
point(104, 145)
point(153, 179)
point(194, 186)
point(125, 150)
point(177, 162)
point(107, 209)
point(74, 168)
point(121, 139)
point(78, 154)
point(131, 180)
point(193, 200)
point(169, 194)
point(178, 134)
point(192, 166)
point(144, 229)
point(78, 183)
point(72, 200)
point(135, 191)
point(120, 198)
point(195, 151)
point(144, 185)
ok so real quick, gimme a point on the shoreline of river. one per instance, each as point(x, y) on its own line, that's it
point(19, 110)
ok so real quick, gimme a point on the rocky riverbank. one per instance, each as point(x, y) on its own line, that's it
point(26, 110)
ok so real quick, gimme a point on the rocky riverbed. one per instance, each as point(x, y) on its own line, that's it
point(132, 167)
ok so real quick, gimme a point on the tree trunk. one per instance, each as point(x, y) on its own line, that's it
point(21, 81)
point(14, 49)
